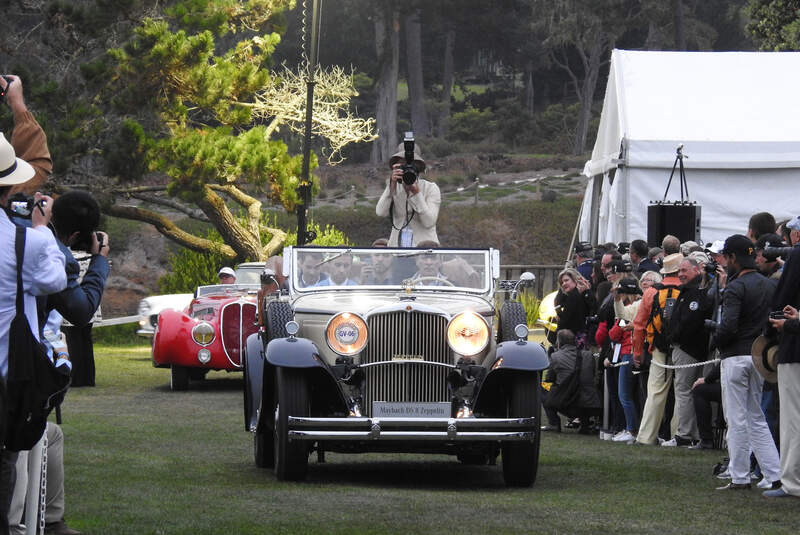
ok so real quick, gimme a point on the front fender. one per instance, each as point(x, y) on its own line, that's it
point(511, 358)
point(254, 379)
point(520, 356)
point(327, 398)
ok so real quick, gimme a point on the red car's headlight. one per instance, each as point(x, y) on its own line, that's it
point(203, 333)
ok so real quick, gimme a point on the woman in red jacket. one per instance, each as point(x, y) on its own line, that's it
point(621, 333)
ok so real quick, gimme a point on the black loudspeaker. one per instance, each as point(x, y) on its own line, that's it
point(679, 218)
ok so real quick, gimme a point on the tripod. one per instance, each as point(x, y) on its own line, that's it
point(678, 164)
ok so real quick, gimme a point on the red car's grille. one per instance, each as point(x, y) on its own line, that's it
point(237, 322)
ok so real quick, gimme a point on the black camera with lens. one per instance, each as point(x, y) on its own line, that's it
point(773, 253)
point(410, 173)
point(711, 267)
point(22, 205)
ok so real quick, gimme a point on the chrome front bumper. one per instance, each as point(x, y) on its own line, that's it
point(420, 429)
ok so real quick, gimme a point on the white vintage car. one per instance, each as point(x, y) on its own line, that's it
point(393, 350)
point(151, 307)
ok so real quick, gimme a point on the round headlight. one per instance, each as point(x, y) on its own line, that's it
point(203, 333)
point(346, 333)
point(468, 334)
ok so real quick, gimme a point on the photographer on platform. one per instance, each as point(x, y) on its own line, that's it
point(745, 308)
point(412, 203)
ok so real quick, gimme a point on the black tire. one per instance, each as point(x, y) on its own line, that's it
point(278, 315)
point(511, 315)
point(521, 459)
point(291, 458)
point(178, 378)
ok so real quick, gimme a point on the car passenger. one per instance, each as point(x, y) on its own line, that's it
point(310, 270)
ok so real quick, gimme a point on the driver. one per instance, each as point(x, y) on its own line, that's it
point(429, 268)
point(226, 276)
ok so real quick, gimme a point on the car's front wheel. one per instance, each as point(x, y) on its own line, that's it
point(179, 378)
point(291, 457)
point(521, 458)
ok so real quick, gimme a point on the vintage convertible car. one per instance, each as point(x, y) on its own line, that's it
point(393, 350)
point(210, 333)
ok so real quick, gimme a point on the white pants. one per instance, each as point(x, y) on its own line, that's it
point(747, 427)
point(54, 506)
point(789, 390)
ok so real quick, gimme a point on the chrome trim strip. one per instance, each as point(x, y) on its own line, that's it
point(433, 436)
point(307, 422)
point(241, 304)
point(406, 361)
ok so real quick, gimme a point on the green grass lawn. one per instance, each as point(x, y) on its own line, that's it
point(141, 459)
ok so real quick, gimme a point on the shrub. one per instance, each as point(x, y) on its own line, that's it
point(531, 304)
point(471, 125)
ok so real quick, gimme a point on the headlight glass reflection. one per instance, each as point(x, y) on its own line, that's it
point(468, 334)
point(203, 333)
point(346, 333)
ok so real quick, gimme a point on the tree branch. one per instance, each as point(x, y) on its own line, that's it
point(194, 214)
point(169, 229)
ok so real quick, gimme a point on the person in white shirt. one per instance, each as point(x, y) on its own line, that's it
point(413, 208)
point(42, 273)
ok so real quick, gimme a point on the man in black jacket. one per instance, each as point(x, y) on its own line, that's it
point(745, 308)
point(689, 341)
point(787, 299)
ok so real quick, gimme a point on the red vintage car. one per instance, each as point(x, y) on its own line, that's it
point(209, 334)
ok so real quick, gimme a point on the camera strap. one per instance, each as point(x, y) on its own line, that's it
point(408, 219)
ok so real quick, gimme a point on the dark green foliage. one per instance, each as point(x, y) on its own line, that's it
point(775, 23)
point(190, 269)
point(471, 125)
point(117, 335)
point(125, 154)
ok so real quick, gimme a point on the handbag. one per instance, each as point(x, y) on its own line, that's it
point(566, 394)
point(34, 384)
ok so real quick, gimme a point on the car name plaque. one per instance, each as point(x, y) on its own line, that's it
point(392, 409)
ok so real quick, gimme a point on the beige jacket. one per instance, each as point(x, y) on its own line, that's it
point(423, 211)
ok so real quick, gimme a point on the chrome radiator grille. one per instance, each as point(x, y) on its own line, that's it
point(237, 322)
point(402, 335)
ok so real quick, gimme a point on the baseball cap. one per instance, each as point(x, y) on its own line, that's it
point(583, 247)
point(628, 286)
point(226, 271)
point(794, 223)
point(715, 247)
point(739, 245)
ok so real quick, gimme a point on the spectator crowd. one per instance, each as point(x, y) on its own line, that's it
point(686, 345)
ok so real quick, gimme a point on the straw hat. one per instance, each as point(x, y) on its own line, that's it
point(765, 357)
point(672, 263)
point(13, 170)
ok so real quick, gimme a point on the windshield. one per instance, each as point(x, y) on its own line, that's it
point(227, 289)
point(342, 268)
point(249, 274)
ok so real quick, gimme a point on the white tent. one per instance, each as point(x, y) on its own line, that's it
point(737, 115)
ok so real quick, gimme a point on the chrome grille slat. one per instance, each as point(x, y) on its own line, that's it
point(406, 333)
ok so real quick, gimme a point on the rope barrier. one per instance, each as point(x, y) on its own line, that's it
point(669, 366)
